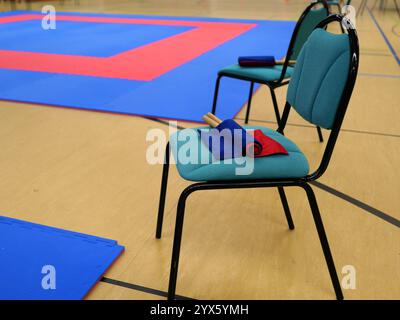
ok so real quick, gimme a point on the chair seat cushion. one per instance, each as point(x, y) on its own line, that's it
point(195, 162)
point(262, 74)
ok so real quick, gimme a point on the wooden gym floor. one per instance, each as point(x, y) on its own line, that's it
point(87, 172)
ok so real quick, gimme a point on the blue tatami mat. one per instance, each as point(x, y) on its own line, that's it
point(183, 93)
point(44, 263)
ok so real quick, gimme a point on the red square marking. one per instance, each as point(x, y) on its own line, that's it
point(143, 64)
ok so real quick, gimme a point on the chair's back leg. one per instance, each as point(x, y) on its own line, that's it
point(286, 208)
point(324, 240)
point(216, 92)
point(163, 192)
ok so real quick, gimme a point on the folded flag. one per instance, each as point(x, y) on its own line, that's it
point(227, 140)
point(269, 145)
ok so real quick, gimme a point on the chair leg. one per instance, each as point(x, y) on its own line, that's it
point(324, 240)
point(216, 92)
point(320, 136)
point(339, 8)
point(163, 193)
point(275, 103)
point(361, 8)
point(177, 245)
point(249, 103)
point(397, 7)
point(286, 208)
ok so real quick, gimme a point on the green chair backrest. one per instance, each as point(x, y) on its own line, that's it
point(311, 19)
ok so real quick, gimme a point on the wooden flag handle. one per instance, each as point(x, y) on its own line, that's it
point(211, 122)
point(214, 117)
point(280, 62)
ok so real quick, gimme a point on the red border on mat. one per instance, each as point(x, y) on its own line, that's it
point(143, 64)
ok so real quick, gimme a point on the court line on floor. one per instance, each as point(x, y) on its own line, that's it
point(375, 54)
point(378, 213)
point(344, 130)
point(379, 75)
point(136, 287)
point(163, 122)
point(293, 125)
point(372, 133)
point(391, 48)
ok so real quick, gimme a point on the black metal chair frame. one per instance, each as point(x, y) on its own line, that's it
point(272, 85)
point(279, 183)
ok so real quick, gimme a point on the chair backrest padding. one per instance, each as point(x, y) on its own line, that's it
point(312, 18)
point(320, 76)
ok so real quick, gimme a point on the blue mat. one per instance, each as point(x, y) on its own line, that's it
point(184, 93)
point(26, 248)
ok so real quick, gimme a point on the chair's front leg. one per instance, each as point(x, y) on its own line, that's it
point(216, 92)
point(361, 8)
point(397, 7)
point(163, 192)
point(249, 103)
point(324, 240)
point(177, 243)
point(320, 136)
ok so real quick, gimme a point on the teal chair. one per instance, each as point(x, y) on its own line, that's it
point(278, 76)
point(320, 90)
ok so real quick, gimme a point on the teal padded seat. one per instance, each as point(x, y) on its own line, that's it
point(262, 74)
point(270, 74)
point(294, 165)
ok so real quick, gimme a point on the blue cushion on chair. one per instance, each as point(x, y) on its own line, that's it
point(263, 74)
point(187, 142)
